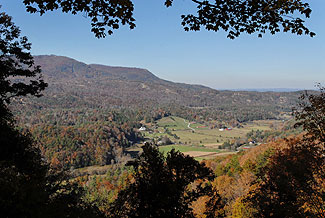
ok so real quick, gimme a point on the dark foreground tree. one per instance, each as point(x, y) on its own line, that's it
point(16, 63)
point(28, 187)
point(293, 183)
point(311, 115)
point(163, 187)
point(232, 16)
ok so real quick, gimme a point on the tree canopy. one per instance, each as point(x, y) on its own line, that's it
point(311, 114)
point(163, 186)
point(28, 186)
point(232, 16)
point(16, 63)
point(292, 184)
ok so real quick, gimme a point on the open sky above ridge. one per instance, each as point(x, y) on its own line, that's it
point(159, 44)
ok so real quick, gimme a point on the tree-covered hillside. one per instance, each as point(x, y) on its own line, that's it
point(75, 85)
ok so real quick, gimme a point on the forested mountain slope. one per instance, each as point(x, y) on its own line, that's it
point(75, 84)
point(71, 82)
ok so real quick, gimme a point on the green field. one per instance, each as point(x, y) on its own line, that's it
point(184, 148)
point(196, 136)
point(173, 123)
point(202, 136)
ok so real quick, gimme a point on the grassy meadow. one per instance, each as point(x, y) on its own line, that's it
point(196, 138)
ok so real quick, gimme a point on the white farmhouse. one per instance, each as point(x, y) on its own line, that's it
point(142, 128)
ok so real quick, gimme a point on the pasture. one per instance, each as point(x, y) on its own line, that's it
point(195, 138)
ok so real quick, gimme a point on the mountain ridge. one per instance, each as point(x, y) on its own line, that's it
point(67, 75)
point(74, 84)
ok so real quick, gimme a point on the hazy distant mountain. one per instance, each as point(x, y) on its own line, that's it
point(73, 83)
point(269, 89)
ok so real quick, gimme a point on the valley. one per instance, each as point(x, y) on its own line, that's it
point(203, 140)
point(93, 121)
point(236, 129)
point(92, 115)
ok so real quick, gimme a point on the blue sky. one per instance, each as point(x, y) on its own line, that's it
point(159, 44)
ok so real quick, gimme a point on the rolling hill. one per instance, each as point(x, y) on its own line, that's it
point(74, 83)
point(103, 86)
point(76, 86)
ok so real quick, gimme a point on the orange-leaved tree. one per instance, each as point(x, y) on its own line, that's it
point(293, 183)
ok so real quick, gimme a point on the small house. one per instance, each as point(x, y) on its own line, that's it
point(142, 128)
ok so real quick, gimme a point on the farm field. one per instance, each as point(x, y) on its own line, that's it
point(186, 148)
point(198, 140)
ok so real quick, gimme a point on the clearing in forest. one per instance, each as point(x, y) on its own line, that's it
point(196, 138)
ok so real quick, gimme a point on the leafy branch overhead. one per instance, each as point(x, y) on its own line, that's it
point(232, 16)
point(16, 62)
point(105, 15)
point(248, 16)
